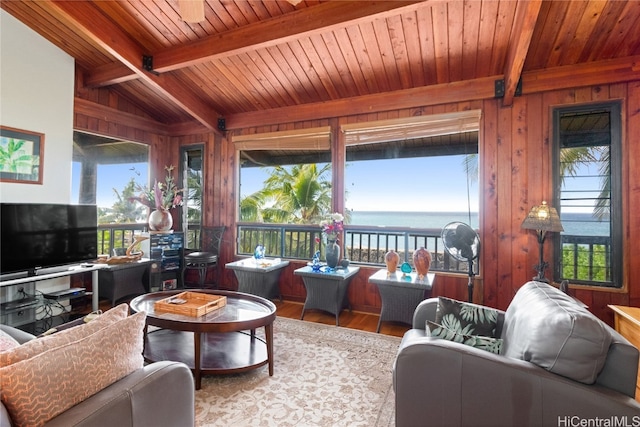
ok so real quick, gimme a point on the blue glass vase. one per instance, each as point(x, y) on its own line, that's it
point(332, 253)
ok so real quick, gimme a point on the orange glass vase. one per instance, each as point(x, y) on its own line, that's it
point(422, 262)
point(392, 259)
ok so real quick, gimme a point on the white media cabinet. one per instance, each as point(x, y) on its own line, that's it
point(64, 271)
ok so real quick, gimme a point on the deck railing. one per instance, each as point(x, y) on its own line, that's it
point(586, 259)
point(363, 244)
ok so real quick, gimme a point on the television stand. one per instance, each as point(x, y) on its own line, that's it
point(68, 270)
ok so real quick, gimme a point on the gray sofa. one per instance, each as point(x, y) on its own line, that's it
point(159, 394)
point(548, 340)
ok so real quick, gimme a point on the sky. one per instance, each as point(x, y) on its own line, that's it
point(436, 184)
point(110, 177)
point(419, 184)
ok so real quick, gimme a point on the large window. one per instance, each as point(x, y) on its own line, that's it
point(106, 172)
point(404, 180)
point(588, 194)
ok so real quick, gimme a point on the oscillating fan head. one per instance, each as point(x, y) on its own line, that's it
point(461, 241)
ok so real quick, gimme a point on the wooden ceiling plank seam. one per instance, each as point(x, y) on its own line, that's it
point(151, 14)
point(270, 94)
point(279, 75)
point(504, 23)
point(235, 13)
point(412, 43)
point(254, 11)
point(290, 71)
point(319, 67)
point(374, 52)
point(427, 47)
point(252, 89)
point(583, 28)
point(522, 31)
point(486, 36)
point(212, 23)
point(309, 70)
point(253, 79)
point(331, 43)
point(546, 41)
point(623, 27)
point(344, 44)
point(97, 27)
point(470, 37)
point(631, 42)
point(566, 33)
point(331, 70)
point(601, 32)
point(289, 58)
point(399, 47)
point(441, 44)
point(362, 57)
point(269, 74)
point(223, 15)
point(378, 31)
point(606, 50)
point(532, 61)
point(132, 22)
point(455, 22)
point(225, 91)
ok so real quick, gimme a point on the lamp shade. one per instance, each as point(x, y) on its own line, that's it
point(543, 218)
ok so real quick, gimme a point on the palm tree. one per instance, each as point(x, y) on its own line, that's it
point(300, 194)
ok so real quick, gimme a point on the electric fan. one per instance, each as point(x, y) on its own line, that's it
point(462, 243)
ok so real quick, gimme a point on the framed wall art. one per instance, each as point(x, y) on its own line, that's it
point(21, 156)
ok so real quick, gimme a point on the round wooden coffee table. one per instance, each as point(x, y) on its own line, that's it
point(220, 342)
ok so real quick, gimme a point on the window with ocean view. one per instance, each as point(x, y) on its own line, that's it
point(416, 174)
point(404, 180)
point(588, 194)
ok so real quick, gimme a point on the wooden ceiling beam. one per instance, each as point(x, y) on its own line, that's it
point(592, 73)
point(521, 34)
point(83, 17)
point(302, 23)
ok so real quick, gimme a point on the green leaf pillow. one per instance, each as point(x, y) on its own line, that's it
point(466, 318)
point(490, 344)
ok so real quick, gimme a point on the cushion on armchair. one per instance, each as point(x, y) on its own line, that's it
point(37, 346)
point(39, 388)
point(546, 327)
point(466, 318)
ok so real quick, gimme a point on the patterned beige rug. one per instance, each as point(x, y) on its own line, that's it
point(323, 376)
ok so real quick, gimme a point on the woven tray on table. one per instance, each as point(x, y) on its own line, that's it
point(194, 304)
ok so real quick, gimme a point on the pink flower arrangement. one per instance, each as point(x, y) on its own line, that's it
point(334, 226)
point(163, 195)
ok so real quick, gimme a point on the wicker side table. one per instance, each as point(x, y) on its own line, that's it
point(326, 290)
point(400, 294)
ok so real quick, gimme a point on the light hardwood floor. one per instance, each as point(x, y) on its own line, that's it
point(354, 320)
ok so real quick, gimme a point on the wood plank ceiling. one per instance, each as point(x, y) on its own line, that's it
point(263, 62)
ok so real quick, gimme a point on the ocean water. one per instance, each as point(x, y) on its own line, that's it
point(581, 224)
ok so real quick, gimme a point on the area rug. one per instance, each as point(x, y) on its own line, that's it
point(323, 376)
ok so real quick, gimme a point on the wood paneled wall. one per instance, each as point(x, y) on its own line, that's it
point(515, 168)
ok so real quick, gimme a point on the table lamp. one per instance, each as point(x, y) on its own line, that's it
point(542, 218)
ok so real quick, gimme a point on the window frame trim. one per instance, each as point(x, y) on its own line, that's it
point(616, 215)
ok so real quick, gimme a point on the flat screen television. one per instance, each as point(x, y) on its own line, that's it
point(37, 236)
